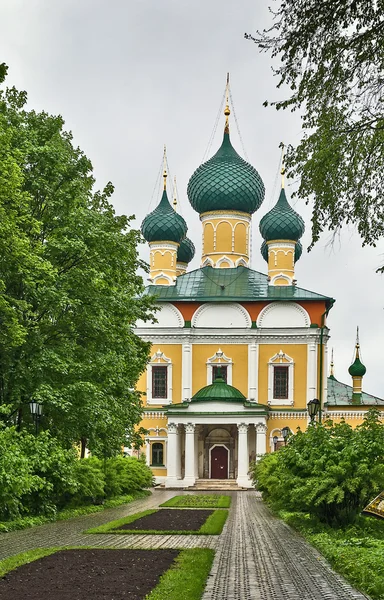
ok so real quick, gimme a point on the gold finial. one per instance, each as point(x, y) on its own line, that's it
point(332, 373)
point(174, 193)
point(282, 165)
point(227, 111)
point(165, 174)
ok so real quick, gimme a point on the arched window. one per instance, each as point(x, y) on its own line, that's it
point(157, 454)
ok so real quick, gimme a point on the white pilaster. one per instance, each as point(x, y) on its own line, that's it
point(147, 452)
point(242, 456)
point(186, 371)
point(173, 456)
point(189, 478)
point(261, 440)
point(325, 373)
point(253, 370)
point(311, 370)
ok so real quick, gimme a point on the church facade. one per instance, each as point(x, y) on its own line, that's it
point(236, 354)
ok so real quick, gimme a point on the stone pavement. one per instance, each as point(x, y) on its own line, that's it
point(257, 556)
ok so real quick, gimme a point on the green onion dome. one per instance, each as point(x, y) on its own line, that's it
point(298, 251)
point(357, 369)
point(186, 251)
point(226, 182)
point(282, 222)
point(219, 390)
point(164, 224)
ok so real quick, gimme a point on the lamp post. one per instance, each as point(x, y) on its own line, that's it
point(275, 440)
point(36, 409)
point(285, 433)
point(313, 407)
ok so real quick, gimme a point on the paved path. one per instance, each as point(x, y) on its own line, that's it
point(257, 556)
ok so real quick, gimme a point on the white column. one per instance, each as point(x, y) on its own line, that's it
point(173, 456)
point(253, 370)
point(242, 456)
point(147, 452)
point(261, 440)
point(186, 371)
point(311, 370)
point(189, 478)
point(196, 454)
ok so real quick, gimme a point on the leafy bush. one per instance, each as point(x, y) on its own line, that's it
point(124, 475)
point(90, 480)
point(331, 471)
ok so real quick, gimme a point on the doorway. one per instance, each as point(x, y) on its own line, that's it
point(219, 462)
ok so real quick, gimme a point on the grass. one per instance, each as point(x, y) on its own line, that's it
point(355, 552)
point(212, 526)
point(185, 579)
point(70, 513)
point(203, 501)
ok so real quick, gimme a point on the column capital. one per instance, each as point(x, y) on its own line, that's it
point(261, 428)
point(172, 427)
point(189, 427)
point(242, 427)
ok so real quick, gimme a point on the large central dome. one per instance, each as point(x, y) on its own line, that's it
point(226, 182)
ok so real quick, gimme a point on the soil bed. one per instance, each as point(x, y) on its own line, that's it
point(97, 574)
point(170, 520)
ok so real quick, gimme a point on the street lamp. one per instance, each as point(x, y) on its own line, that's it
point(285, 433)
point(36, 409)
point(313, 407)
point(275, 440)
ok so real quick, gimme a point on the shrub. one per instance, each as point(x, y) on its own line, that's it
point(331, 471)
point(124, 475)
point(90, 480)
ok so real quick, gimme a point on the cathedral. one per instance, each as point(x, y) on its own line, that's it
point(236, 355)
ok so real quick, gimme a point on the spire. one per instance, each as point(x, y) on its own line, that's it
point(174, 193)
point(227, 111)
point(332, 365)
point(282, 165)
point(165, 174)
point(357, 371)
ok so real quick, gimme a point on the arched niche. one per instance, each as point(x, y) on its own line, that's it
point(221, 315)
point(168, 316)
point(283, 315)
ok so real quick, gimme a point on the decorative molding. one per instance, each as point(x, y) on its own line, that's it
point(154, 414)
point(222, 335)
point(225, 259)
point(189, 428)
point(172, 428)
point(235, 216)
point(241, 262)
point(221, 312)
point(159, 358)
point(208, 262)
point(162, 275)
point(163, 246)
point(242, 428)
point(261, 428)
point(349, 414)
point(283, 276)
point(284, 415)
point(221, 359)
point(280, 359)
point(279, 308)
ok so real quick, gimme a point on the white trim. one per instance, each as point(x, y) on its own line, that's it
point(311, 370)
point(208, 262)
point(242, 262)
point(280, 359)
point(225, 259)
point(210, 459)
point(209, 305)
point(186, 370)
point(253, 371)
point(162, 275)
point(237, 335)
point(158, 359)
point(282, 276)
point(283, 305)
point(222, 360)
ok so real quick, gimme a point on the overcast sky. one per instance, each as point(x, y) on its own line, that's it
point(131, 75)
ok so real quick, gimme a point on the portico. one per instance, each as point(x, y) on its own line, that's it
point(214, 436)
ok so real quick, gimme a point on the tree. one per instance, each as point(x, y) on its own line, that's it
point(69, 289)
point(331, 471)
point(331, 57)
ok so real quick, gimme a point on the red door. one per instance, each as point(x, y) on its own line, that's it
point(219, 462)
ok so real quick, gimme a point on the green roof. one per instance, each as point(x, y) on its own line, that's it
point(340, 394)
point(224, 285)
point(282, 222)
point(357, 369)
point(219, 390)
point(163, 223)
point(226, 182)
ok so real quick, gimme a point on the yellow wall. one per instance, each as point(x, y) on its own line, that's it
point(241, 238)
point(172, 351)
point(225, 233)
point(237, 352)
point(298, 352)
point(163, 260)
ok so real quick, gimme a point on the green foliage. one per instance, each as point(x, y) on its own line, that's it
point(69, 289)
point(356, 551)
point(331, 59)
point(200, 501)
point(186, 578)
point(124, 475)
point(331, 471)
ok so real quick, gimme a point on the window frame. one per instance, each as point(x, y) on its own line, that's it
point(276, 384)
point(281, 359)
point(153, 463)
point(159, 360)
point(158, 369)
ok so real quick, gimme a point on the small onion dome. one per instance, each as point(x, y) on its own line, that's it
point(298, 251)
point(357, 369)
point(164, 224)
point(219, 390)
point(226, 182)
point(186, 251)
point(282, 222)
